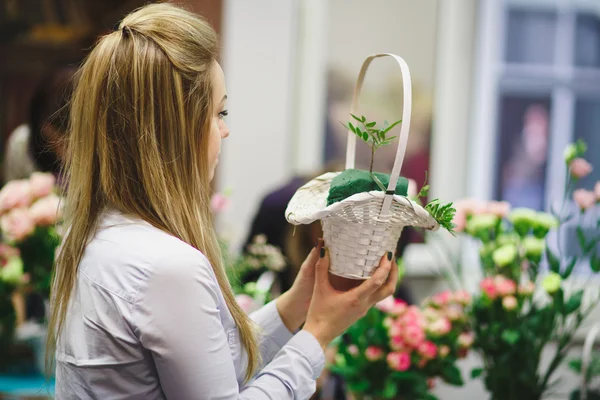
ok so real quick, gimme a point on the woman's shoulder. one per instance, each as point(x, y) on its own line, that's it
point(132, 250)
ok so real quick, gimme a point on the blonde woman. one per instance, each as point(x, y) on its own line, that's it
point(141, 305)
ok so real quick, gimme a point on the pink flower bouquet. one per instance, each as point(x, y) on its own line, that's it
point(29, 212)
point(398, 350)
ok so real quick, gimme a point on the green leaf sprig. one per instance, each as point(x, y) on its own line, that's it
point(368, 132)
point(442, 213)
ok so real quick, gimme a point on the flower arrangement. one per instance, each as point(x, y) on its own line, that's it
point(253, 273)
point(527, 298)
point(398, 350)
point(29, 212)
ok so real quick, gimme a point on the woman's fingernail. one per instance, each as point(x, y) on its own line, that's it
point(389, 256)
point(322, 252)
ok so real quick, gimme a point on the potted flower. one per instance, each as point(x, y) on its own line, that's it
point(397, 351)
point(527, 298)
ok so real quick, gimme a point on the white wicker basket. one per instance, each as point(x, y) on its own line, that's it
point(359, 230)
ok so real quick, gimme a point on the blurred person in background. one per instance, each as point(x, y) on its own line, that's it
point(37, 145)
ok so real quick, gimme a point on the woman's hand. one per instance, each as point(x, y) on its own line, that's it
point(293, 304)
point(332, 311)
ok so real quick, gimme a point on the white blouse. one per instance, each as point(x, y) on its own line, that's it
point(147, 320)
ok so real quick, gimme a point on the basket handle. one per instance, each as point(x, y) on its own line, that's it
point(406, 110)
point(588, 346)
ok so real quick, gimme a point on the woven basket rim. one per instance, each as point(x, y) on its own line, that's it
point(317, 213)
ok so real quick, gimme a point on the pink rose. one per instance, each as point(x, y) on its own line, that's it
point(466, 339)
point(398, 308)
point(373, 353)
point(15, 194)
point(597, 190)
point(246, 302)
point(428, 350)
point(395, 329)
point(454, 312)
point(459, 220)
point(584, 198)
point(488, 287)
point(17, 224)
point(431, 314)
point(463, 297)
point(527, 288)
point(504, 286)
point(386, 304)
point(444, 351)
point(470, 206)
point(46, 211)
point(440, 327)
point(441, 299)
point(580, 168)
point(7, 251)
point(413, 335)
point(509, 303)
point(218, 203)
point(353, 350)
point(42, 184)
point(412, 316)
point(398, 361)
point(397, 343)
point(498, 208)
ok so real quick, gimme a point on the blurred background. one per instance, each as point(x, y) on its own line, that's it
point(500, 87)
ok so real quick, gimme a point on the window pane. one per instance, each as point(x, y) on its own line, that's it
point(530, 37)
point(523, 150)
point(587, 41)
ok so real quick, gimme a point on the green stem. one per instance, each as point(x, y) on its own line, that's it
point(372, 157)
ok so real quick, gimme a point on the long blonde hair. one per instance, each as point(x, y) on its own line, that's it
point(139, 131)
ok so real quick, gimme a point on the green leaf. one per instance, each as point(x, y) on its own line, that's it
point(574, 302)
point(363, 119)
point(591, 245)
point(388, 128)
point(360, 386)
point(552, 260)
point(476, 372)
point(390, 390)
point(595, 262)
point(352, 128)
point(371, 124)
point(365, 136)
point(581, 238)
point(381, 135)
point(424, 191)
point(569, 268)
point(511, 336)
point(451, 374)
point(356, 118)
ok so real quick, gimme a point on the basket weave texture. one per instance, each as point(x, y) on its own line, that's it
point(355, 233)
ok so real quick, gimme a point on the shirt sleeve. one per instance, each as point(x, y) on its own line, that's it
point(273, 334)
point(177, 319)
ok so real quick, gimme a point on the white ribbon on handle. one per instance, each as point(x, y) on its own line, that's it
point(404, 129)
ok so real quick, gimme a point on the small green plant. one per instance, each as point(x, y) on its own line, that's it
point(368, 132)
point(442, 213)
